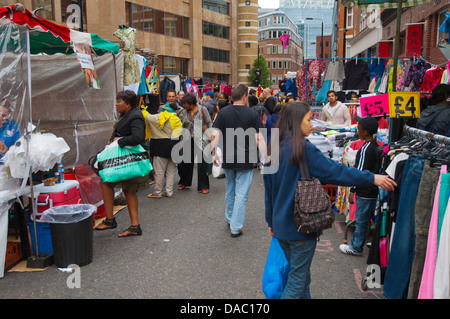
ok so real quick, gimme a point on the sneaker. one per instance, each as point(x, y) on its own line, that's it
point(347, 250)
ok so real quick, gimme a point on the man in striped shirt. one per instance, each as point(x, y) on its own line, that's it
point(366, 197)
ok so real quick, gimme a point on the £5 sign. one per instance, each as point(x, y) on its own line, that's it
point(375, 106)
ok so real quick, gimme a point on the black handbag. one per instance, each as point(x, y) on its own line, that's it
point(313, 211)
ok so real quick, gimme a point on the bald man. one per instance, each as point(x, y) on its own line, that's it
point(269, 101)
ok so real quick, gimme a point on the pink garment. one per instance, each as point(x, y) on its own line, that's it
point(285, 40)
point(427, 284)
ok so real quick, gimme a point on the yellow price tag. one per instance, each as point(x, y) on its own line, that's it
point(404, 104)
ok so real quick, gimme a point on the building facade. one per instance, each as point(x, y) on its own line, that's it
point(211, 39)
point(309, 15)
point(280, 60)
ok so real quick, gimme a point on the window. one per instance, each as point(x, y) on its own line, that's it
point(286, 64)
point(247, 3)
point(441, 36)
point(274, 64)
point(274, 49)
point(216, 55)
point(268, 65)
point(216, 30)
point(217, 6)
point(247, 24)
point(174, 65)
point(247, 66)
point(280, 49)
point(363, 20)
point(47, 12)
point(280, 64)
point(150, 20)
point(274, 79)
point(215, 77)
point(350, 17)
point(269, 49)
point(247, 45)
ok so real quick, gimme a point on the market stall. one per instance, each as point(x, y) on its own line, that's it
point(49, 91)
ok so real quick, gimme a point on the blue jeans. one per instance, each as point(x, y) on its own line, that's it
point(299, 255)
point(238, 186)
point(401, 255)
point(365, 208)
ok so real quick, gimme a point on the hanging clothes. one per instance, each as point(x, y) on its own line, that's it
point(417, 74)
point(357, 75)
point(432, 78)
point(165, 85)
point(131, 64)
point(301, 80)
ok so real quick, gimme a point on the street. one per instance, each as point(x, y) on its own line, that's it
point(186, 252)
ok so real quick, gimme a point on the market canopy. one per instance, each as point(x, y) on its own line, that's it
point(382, 4)
point(49, 37)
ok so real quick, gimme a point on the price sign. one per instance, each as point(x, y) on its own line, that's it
point(374, 106)
point(404, 104)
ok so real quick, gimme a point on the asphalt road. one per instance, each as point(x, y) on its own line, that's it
point(186, 252)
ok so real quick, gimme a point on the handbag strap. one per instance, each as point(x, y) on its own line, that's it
point(304, 169)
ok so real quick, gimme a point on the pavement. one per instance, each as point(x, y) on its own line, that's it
point(186, 252)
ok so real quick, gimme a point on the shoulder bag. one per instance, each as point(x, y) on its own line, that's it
point(313, 212)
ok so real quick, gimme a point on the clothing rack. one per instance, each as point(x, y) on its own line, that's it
point(349, 59)
point(426, 135)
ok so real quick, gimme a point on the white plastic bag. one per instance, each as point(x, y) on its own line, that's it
point(217, 170)
point(67, 214)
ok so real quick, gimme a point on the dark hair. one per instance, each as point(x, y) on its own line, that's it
point(439, 93)
point(171, 91)
point(190, 99)
point(129, 97)
point(288, 98)
point(252, 91)
point(331, 91)
point(252, 100)
point(238, 92)
point(227, 97)
point(289, 125)
point(222, 103)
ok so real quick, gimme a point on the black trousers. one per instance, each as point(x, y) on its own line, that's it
point(187, 170)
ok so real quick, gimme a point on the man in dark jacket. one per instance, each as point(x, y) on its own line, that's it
point(436, 119)
point(211, 103)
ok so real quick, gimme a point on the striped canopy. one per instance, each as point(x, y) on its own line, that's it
point(382, 4)
point(49, 37)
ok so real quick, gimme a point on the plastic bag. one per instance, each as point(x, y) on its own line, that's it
point(276, 271)
point(67, 214)
point(117, 163)
point(217, 170)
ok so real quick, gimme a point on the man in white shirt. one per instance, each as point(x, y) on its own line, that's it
point(335, 112)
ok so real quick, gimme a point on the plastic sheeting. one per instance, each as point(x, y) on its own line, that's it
point(67, 214)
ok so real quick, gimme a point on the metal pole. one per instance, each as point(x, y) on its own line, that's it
point(397, 43)
point(321, 55)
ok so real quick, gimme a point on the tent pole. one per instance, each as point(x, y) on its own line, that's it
point(397, 43)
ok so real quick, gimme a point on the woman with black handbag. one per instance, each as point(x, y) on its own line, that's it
point(280, 189)
point(129, 131)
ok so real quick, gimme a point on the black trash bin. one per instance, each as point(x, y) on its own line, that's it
point(72, 233)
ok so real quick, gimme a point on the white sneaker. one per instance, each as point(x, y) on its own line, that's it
point(347, 250)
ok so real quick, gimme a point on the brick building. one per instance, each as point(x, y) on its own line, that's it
point(272, 25)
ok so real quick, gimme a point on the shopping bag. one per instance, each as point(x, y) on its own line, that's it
point(218, 170)
point(276, 271)
point(117, 163)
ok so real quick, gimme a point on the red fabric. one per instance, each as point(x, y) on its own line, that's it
point(21, 16)
point(432, 78)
